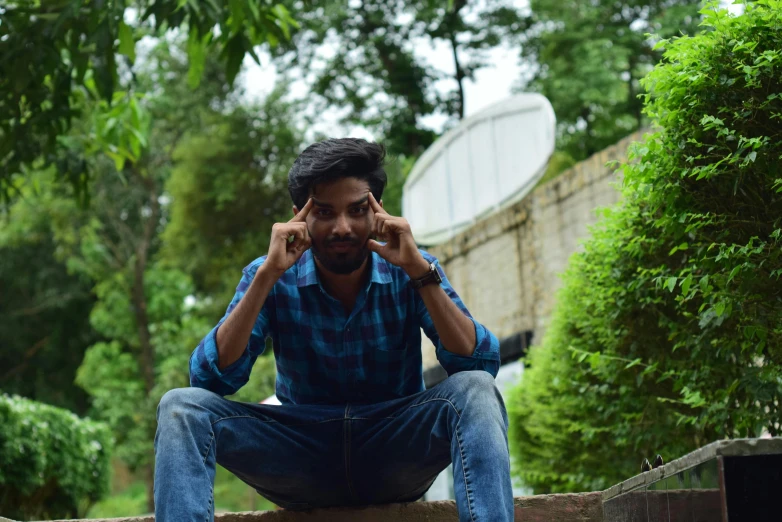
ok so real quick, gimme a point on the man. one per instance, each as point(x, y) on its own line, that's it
point(345, 314)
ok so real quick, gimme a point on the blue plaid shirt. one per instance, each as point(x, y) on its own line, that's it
point(326, 356)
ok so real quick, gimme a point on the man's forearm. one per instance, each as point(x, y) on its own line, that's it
point(456, 330)
point(234, 333)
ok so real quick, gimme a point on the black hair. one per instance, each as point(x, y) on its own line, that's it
point(333, 159)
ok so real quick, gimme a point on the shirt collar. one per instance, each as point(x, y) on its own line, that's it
point(308, 274)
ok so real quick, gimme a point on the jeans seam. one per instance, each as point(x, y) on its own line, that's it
point(209, 508)
point(464, 472)
point(272, 420)
point(346, 431)
point(455, 409)
point(208, 447)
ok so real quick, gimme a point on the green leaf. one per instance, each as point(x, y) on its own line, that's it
point(105, 70)
point(119, 160)
point(634, 362)
point(283, 19)
point(670, 283)
point(127, 45)
point(234, 55)
point(237, 15)
point(686, 284)
point(196, 54)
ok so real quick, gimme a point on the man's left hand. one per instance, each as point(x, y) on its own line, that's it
point(400, 248)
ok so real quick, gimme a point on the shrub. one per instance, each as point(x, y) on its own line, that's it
point(668, 329)
point(52, 463)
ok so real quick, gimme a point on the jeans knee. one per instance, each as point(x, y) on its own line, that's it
point(473, 383)
point(478, 393)
point(178, 402)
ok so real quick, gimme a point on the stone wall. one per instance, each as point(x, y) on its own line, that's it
point(506, 268)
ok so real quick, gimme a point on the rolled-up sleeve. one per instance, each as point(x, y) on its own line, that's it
point(204, 370)
point(487, 348)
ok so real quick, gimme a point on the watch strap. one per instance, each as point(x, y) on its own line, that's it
point(430, 278)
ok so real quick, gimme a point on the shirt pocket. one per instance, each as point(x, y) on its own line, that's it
point(386, 366)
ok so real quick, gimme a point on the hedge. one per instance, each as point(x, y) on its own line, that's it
point(667, 332)
point(52, 463)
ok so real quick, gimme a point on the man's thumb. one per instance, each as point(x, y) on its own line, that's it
point(373, 245)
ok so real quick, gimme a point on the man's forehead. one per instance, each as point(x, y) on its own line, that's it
point(346, 191)
point(340, 201)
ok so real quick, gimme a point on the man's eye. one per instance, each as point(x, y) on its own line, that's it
point(323, 212)
point(359, 210)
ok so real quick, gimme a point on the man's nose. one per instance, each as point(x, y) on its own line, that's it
point(341, 226)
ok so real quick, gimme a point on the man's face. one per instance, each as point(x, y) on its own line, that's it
point(339, 224)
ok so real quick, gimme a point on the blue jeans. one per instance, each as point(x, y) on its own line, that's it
point(310, 456)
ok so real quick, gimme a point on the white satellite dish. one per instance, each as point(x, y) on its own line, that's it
point(489, 161)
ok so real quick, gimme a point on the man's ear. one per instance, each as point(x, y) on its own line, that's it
point(295, 210)
point(380, 203)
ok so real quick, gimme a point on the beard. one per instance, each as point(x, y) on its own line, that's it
point(341, 263)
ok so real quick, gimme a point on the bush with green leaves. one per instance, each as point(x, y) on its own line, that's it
point(667, 332)
point(52, 463)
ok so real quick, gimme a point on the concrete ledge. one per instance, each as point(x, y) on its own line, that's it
point(725, 448)
point(574, 507)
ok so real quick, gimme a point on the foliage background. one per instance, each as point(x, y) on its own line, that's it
point(667, 335)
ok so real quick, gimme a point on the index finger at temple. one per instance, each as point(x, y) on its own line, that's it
point(375, 205)
point(302, 215)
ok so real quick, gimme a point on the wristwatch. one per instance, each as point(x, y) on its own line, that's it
point(432, 277)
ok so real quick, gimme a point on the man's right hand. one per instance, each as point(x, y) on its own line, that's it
point(284, 251)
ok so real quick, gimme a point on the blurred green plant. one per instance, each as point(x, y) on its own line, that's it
point(52, 49)
point(667, 333)
point(45, 316)
point(130, 502)
point(52, 463)
point(588, 59)
point(228, 186)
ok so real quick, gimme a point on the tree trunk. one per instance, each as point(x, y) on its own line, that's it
point(459, 73)
point(149, 478)
point(588, 150)
point(147, 352)
point(635, 105)
point(454, 25)
point(147, 357)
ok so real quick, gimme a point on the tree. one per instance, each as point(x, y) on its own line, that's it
point(45, 311)
point(113, 243)
point(588, 58)
point(376, 77)
point(52, 48)
point(669, 320)
point(227, 188)
point(469, 30)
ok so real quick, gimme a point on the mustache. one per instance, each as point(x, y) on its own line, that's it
point(346, 240)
